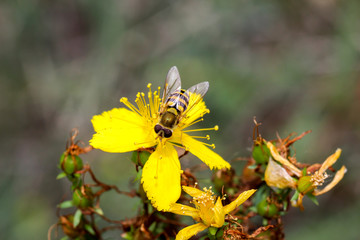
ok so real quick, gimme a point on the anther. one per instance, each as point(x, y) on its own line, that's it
point(123, 99)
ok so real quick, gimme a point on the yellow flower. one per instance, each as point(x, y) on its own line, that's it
point(277, 176)
point(207, 212)
point(124, 130)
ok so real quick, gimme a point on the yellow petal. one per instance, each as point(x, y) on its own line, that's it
point(190, 231)
point(277, 176)
point(338, 176)
point(209, 157)
point(184, 210)
point(275, 154)
point(330, 161)
point(121, 130)
point(219, 214)
point(238, 201)
point(161, 177)
point(194, 192)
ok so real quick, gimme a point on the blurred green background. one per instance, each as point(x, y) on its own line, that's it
point(295, 65)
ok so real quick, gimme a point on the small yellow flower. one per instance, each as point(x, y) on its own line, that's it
point(124, 130)
point(207, 212)
point(277, 176)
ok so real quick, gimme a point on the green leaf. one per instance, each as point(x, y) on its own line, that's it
point(77, 218)
point(138, 175)
point(66, 204)
point(285, 205)
point(127, 236)
point(152, 227)
point(61, 175)
point(304, 171)
point(89, 229)
point(212, 231)
point(219, 234)
point(265, 222)
point(77, 175)
point(64, 238)
point(313, 199)
point(295, 196)
point(252, 166)
point(99, 211)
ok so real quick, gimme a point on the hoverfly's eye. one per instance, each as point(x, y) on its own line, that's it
point(157, 128)
point(167, 133)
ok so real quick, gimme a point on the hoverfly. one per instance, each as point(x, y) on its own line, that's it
point(175, 102)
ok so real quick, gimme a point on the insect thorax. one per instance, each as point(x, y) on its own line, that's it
point(169, 118)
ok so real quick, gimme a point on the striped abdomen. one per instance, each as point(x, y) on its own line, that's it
point(178, 100)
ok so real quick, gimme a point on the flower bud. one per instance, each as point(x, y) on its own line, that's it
point(305, 185)
point(266, 209)
point(70, 163)
point(83, 197)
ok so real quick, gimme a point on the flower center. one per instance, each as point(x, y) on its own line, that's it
point(318, 178)
point(204, 201)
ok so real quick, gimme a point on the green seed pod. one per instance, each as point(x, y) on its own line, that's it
point(305, 185)
point(266, 209)
point(70, 163)
point(261, 154)
point(83, 197)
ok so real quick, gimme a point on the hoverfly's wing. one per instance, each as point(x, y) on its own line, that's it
point(196, 93)
point(200, 89)
point(172, 84)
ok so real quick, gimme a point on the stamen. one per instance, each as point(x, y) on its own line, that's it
point(151, 101)
point(207, 137)
point(125, 101)
point(318, 179)
point(140, 105)
point(141, 143)
point(215, 128)
point(143, 99)
point(199, 120)
point(143, 103)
